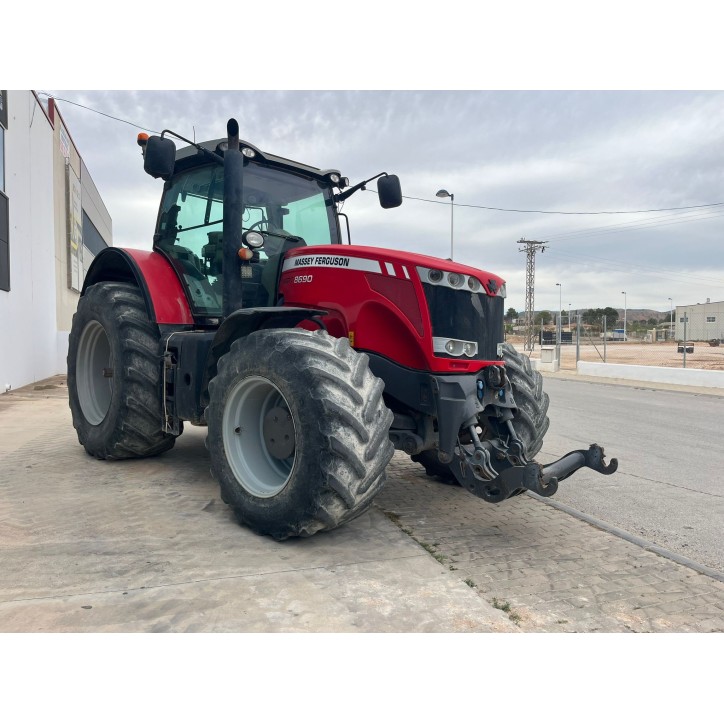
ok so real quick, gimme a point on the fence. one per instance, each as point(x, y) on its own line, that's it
point(596, 343)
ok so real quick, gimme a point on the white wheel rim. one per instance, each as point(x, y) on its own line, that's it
point(254, 467)
point(93, 384)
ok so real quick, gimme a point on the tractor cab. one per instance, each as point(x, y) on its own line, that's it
point(285, 206)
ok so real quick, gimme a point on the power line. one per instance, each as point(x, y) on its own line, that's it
point(88, 108)
point(666, 220)
point(565, 213)
point(650, 270)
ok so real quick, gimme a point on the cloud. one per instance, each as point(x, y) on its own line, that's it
point(555, 150)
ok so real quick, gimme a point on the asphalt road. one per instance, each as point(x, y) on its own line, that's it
point(668, 488)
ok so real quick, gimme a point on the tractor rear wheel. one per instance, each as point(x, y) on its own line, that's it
point(530, 421)
point(298, 432)
point(114, 375)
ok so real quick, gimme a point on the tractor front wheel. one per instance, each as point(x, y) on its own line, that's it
point(298, 432)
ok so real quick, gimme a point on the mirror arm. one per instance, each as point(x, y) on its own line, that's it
point(213, 156)
point(353, 189)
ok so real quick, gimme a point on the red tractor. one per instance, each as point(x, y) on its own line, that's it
point(310, 360)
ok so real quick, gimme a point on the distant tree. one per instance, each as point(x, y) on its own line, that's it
point(611, 316)
point(591, 316)
point(543, 317)
point(653, 322)
point(595, 317)
point(511, 314)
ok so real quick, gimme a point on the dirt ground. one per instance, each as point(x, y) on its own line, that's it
point(657, 354)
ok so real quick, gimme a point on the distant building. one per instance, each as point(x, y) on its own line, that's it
point(52, 224)
point(703, 321)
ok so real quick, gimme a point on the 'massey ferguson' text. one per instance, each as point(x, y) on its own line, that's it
point(322, 261)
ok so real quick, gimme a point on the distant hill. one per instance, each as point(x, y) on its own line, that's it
point(643, 315)
point(632, 315)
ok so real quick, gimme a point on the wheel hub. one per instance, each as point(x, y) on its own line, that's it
point(259, 436)
point(279, 433)
point(94, 373)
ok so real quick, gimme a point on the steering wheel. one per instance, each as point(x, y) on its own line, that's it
point(258, 223)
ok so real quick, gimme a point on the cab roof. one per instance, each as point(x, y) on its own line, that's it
point(189, 156)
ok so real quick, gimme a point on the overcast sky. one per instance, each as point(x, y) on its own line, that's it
point(527, 150)
point(595, 147)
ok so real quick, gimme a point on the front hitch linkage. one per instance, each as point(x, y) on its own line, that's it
point(533, 476)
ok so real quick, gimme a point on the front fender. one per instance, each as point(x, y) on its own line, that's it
point(243, 322)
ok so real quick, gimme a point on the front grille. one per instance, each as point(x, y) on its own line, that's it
point(458, 314)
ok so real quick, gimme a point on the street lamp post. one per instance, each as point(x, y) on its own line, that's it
point(442, 194)
point(671, 319)
point(624, 316)
point(560, 309)
point(569, 316)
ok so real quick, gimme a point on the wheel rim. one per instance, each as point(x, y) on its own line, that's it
point(248, 407)
point(94, 373)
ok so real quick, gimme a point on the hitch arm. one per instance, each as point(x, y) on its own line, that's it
point(592, 458)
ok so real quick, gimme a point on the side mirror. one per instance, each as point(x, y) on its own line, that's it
point(390, 193)
point(159, 157)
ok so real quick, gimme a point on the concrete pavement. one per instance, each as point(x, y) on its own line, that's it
point(141, 546)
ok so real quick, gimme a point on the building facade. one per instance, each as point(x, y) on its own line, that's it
point(52, 224)
point(703, 321)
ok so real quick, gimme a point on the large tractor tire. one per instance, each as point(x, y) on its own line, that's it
point(531, 418)
point(298, 432)
point(114, 375)
point(530, 422)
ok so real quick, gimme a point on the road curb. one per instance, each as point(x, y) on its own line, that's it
point(637, 384)
point(640, 542)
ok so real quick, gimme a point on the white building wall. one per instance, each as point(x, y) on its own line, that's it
point(697, 326)
point(29, 342)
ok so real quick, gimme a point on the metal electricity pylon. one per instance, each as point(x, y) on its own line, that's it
point(530, 249)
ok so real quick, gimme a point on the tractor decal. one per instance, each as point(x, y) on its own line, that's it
point(344, 262)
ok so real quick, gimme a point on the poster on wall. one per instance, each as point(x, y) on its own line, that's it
point(64, 143)
point(4, 109)
point(75, 231)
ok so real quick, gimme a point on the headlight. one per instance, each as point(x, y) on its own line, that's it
point(454, 347)
point(455, 280)
point(253, 239)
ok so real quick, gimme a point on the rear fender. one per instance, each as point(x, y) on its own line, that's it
point(151, 272)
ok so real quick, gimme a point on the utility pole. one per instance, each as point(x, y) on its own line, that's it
point(531, 247)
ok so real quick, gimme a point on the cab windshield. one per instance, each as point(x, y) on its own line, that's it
point(288, 209)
